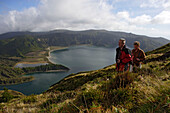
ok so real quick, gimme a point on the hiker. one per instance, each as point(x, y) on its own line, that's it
point(138, 55)
point(123, 57)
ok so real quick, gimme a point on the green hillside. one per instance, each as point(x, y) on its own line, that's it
point(163, 49)
point(105, 90)
point(8, 61)
point(21, 43)
point(19, 46)
point(11, 75)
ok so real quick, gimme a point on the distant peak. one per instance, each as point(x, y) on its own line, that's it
point(59, 30)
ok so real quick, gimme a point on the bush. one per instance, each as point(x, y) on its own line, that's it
point(29, 99)
point(6, 96)
point(69, 108)
point(89, 98)
point(60, 98)
point(121, 80)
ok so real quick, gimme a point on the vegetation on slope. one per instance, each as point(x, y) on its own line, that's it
point(7, 95)
point(104, 90)
point(44, 68)
point(163, 49)
point(8, 61)
point(19, 46)
point(10, 75)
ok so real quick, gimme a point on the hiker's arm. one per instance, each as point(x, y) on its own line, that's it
point(116, 55)
point(143, 56)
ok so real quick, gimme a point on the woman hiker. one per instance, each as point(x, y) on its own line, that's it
point(138, 55)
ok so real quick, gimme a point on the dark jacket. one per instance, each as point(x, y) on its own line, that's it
point(124, 56)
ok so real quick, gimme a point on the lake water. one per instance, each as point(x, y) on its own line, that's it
point(77, 58)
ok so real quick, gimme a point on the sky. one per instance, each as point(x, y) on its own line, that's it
point(144, 17)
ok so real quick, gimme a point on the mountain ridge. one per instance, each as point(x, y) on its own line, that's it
point(20, 33)
point(21, 43)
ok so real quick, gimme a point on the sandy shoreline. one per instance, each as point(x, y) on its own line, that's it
point(49, 50)
point(49, 53)
point(40, 62)
point(48, 57)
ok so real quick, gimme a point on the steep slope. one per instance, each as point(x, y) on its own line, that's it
point(160, 50)
point(20, 43)
point(19, 46)
point(105, 90)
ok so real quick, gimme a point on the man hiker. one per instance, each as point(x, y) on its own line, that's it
point(138, 55)
point(123, 57)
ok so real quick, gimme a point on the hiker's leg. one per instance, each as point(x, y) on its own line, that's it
point(140, 65)
point(126, 67)
point(131, 68)
point(134, 68)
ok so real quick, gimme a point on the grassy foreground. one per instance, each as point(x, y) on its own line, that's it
point(105, 91)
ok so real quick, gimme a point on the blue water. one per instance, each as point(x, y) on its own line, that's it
point(77, 58)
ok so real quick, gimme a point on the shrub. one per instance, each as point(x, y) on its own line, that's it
point(29, 99)
point(121, 80)
point(6, 96)
point(89, 98)
point(58, 99)
point(69, 108)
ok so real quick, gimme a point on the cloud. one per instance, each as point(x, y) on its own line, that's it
point(123, 15)
point(18, 21)
point(153, 3)
point(162, 18)
point(139, 20)
point(57, 14)
point(52, 14)
point(166, 5)
point(81, 15)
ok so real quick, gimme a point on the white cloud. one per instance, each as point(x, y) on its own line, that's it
point(80, 15)
point(166, 5)
point(18, 21)
point(51, 14)
point(123, 15)
point(162, 18)
point(141, 20)
point(153, 3)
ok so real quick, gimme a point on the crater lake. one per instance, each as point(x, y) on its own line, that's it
point(77, 58)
